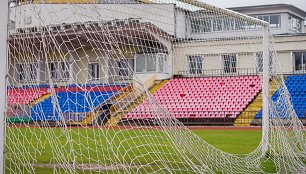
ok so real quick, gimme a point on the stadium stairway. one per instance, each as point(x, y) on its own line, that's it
point(116, 115)
point(40, 99)
point(73, 103)
point(246, 117)
point(89, 119)
point(123, 94)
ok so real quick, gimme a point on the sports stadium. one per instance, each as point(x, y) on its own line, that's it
point(151, 86)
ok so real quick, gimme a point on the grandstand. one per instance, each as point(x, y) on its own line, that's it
point(19, 99)
point(296, 87)
point(76, 102)
point(24, 95)
point(203, 100)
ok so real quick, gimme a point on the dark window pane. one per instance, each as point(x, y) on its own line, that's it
point(275, 21)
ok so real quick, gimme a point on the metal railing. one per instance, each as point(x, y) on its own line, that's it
point(220, 118)
point(219, 72)
point(298, 70)
point(205, 118)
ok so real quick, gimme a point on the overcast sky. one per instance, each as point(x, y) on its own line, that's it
point(237, 3)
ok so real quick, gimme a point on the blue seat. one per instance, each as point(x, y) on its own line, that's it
point(76, 102)
point(297, 88)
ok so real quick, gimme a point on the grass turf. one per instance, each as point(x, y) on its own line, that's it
point(90, 146)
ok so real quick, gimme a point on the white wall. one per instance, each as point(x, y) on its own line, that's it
point(284, 25)
point(285, 61)
point(181, 30)
point(212, 52)
point(161, 15)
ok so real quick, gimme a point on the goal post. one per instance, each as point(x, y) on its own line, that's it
point(226, 12)
point(266, 65)
point(265, 89)
point(4, 11)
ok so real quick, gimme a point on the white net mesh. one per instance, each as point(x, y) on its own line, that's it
point(78, 98)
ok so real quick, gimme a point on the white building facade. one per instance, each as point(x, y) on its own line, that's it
point(182, 44)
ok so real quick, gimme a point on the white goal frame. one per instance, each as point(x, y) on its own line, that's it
point(4, 10)
point(266, 55)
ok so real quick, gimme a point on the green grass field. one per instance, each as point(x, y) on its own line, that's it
point(90, 146)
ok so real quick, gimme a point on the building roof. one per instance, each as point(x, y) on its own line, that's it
point(270, 6)
point(128, 32)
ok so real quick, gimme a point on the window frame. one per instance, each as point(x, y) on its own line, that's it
point(259, 65)
point(198, 69)
point(218, 24)
point(293, 26)
point(195, 26)
point(28, 72)
point(129, 68)
point(157, 57)
point(90, 71)
point(303, 61)
point(230, 69)
point(58, 70)
point(269, 19)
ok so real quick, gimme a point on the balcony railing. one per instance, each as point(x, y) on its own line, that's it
point(298, 70)
point(219, 72)
point(216, 118)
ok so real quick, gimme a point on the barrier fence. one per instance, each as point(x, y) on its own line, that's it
point(219, 72)
point(220, 118)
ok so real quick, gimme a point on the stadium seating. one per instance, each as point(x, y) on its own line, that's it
point(90, 87)
point(29, 93)
point(296, 87)
point(72, 101)
point(212, 97)
point(23, 96)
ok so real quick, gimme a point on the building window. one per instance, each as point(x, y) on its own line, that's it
point(228, 24)
point(151, 63)
point(53, 70)
point(64, 70)
point(274, 20)
point(201, 25)
point(240, 24)
point(295, 24)
point(259, 61)
point(229, 63)
point(264, 18)
point(94, 71)
point(59, 70)
point(205, 25)
point(218, 24)
point(27, 72)
point(299, 59)
point(162, 58)
point(21, 72)
point(195, 64)
point(126, 67)
point(141, 63)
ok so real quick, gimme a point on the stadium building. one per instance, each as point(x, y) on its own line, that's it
point(186, 43)
point(286, 22)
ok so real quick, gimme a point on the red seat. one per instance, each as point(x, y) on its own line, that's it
point(201, 97)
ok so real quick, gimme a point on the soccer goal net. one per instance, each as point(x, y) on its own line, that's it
point(109, 86)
